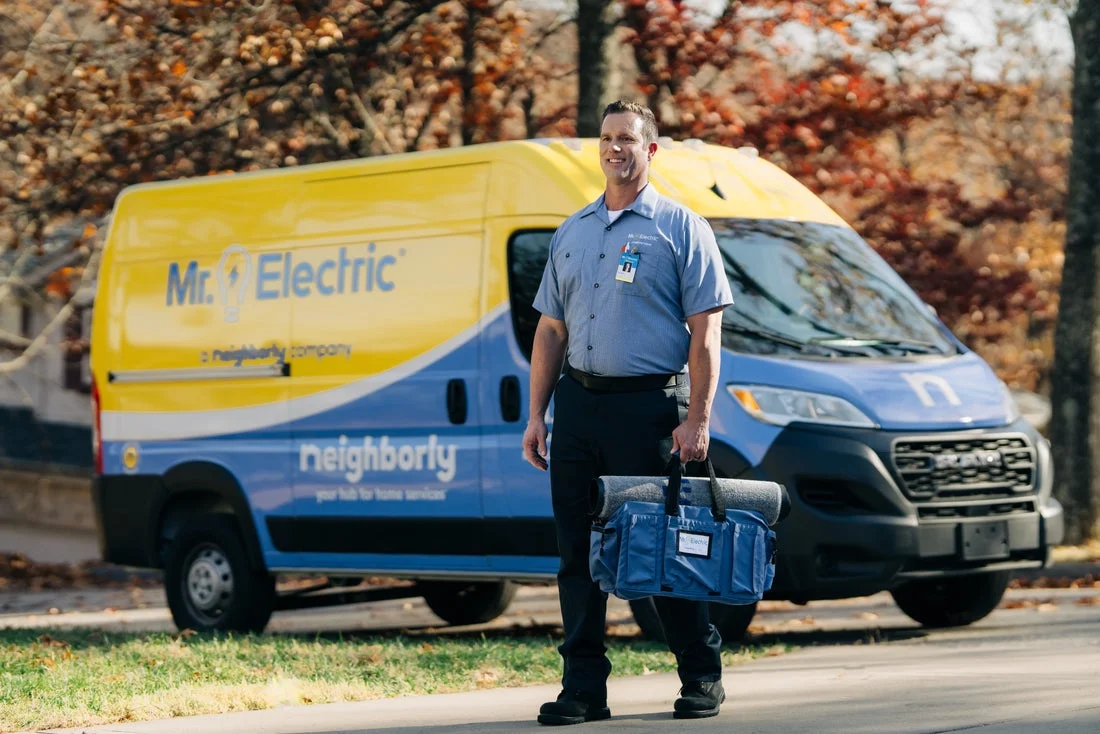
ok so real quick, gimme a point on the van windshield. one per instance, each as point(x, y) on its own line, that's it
point(818, 289)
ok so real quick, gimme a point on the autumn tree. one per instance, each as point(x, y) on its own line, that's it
point(98, 96)
point(1075, 427)
point(844, 96)
point(593, 28)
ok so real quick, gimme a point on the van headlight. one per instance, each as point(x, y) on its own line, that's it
point(780, 406)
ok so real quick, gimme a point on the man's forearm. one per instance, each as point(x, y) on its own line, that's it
point(547, 356)
point(704, 361)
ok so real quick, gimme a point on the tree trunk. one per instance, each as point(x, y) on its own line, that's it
point(1075, 421)
point(592, 32)
point(469, 53)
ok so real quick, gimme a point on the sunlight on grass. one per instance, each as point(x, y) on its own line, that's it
point(80, 677)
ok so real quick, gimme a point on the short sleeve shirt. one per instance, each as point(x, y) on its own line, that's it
point(618, 327)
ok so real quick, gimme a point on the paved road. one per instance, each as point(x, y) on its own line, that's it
point(862, 666)
point(1033, 665)
point(143, 609)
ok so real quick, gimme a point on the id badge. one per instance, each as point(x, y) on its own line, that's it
point(628, 266)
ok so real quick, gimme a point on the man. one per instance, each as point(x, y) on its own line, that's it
point(632, 295)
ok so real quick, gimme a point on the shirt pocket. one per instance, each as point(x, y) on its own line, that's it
point(655, 274)
point(567, 263)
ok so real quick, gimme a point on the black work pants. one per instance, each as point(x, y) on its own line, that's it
point(627, 434)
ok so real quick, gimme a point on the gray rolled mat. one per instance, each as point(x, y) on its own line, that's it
point(768, 498)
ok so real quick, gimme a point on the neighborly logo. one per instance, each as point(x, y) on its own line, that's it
point(240, 275)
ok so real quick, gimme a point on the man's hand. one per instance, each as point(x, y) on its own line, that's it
point(692, 439)
point(534, 443)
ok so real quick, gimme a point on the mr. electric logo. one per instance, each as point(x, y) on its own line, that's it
point(239, 276)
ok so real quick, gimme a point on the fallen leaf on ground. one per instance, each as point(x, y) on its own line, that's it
point(20, 573)
point(1019, 603)
point(1087, 581)
point(46, 641)
point(486, 678)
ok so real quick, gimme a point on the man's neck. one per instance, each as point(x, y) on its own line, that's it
point(617, 197)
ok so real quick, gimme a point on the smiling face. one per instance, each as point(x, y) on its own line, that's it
point(624, 152)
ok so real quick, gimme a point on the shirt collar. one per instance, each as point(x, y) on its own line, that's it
point(645, 204)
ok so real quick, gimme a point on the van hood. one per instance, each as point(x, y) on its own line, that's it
point(955, 392)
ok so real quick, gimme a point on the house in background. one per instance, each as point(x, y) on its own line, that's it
point(45, 407)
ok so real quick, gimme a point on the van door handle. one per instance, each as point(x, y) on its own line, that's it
point(509, 399)
point(456, 401)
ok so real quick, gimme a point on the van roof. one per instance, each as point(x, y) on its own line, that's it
point(715, 181)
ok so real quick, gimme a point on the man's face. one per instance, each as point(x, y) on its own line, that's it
point(624, 154)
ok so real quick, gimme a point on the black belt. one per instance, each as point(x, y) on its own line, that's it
point(625, 384)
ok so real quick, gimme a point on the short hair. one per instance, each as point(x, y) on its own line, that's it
point(649, 122)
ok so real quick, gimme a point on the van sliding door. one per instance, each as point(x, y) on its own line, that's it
point(384, 354)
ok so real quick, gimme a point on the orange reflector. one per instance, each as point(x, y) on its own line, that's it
point(747, 400)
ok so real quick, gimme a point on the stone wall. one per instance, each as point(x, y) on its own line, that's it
point(60, 501)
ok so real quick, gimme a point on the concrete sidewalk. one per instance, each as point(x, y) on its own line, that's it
point(1001, 677)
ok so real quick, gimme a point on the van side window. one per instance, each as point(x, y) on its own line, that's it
point(527, 254)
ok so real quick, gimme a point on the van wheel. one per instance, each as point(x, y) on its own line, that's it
point(209, 582)
point(953, 601)
point(732, 621)
point(458, 602)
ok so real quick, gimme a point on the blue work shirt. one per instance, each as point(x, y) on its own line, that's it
point(619, 328)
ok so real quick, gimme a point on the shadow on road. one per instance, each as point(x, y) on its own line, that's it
point(506, 726)
point(806, 638)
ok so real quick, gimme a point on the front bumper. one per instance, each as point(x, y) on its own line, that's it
point(852, 531)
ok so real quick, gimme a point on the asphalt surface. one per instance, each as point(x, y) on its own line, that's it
point(1031, 666)
point(860, 666)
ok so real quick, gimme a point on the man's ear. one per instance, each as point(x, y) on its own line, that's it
point(652, 150)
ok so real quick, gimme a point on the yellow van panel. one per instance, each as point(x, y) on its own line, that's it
point(387, 205)
point(378, 261)
point(429, 295)
point(204, 215)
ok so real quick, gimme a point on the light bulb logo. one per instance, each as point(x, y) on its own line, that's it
point(234, 273)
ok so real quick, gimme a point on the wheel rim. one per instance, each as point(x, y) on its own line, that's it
point(208, 584)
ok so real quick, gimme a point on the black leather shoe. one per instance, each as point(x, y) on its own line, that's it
point(699, 699)
point(574, 707)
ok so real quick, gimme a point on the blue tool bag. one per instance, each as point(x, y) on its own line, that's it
point(706, 553)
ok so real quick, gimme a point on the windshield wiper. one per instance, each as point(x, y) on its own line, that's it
point(875, 341)
point(768, 335)
point(764, 334)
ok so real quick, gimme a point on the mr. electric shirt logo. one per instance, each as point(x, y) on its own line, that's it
point(238, 276)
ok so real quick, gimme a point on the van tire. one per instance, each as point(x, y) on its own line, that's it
point(953, 601)
point(459, 603)
point(210, 584)
point(732, 621)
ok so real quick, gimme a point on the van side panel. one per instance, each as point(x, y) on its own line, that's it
point(386, 426)
point(361, 310)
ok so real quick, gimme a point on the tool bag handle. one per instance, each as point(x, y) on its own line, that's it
point(675, 480)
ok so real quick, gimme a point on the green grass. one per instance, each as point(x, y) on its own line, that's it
point(75, 678)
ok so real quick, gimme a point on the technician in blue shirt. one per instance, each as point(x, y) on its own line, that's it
point(632, 297)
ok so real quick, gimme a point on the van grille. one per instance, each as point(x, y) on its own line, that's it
point(835, 496)
point(973, 468)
